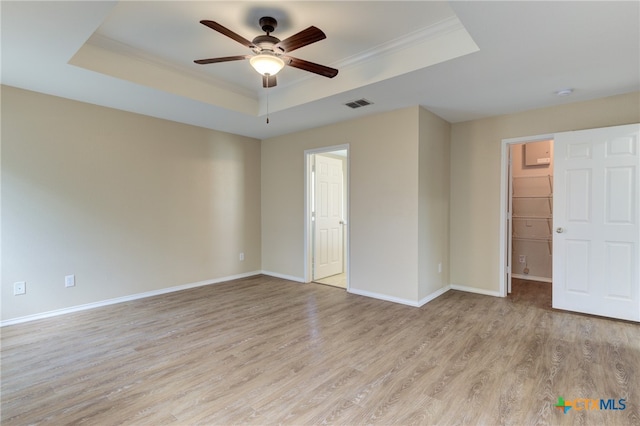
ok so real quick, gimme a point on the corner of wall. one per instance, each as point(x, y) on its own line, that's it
point(433, 194)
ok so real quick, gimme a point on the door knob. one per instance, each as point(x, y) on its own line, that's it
point(559, 230)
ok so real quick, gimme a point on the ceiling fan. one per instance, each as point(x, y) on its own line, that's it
point(271, 53)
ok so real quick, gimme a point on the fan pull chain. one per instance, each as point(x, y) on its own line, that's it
point(267, 104)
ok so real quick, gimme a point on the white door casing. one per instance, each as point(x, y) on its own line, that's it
point(596, 204)
point(328, 217)
point(509, 242)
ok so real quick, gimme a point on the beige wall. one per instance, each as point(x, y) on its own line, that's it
point(433, 227)
point(127, 203)
point(383, 201)
point(398, 201)
point(475, 177)
point(132, 204)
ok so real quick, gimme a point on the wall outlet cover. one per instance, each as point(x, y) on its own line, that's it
point(19, 288)
point(70, 281)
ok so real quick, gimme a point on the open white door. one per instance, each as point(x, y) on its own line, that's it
point(596, 267)
point(328, 233)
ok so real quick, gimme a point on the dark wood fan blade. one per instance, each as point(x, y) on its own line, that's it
point(222, 59)
point(226, 31)
point(310, 66)
point(301, 39)
point(269, 81)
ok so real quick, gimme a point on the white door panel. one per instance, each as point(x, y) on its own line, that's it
point(328, 222)
point(596, 265)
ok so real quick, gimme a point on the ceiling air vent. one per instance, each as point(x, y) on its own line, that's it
point(358, 103)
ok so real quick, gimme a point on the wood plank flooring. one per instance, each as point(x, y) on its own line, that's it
point(339, 280)
point(267, 351)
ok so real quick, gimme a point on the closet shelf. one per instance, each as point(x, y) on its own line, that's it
point(548, 240)
point(532, 211)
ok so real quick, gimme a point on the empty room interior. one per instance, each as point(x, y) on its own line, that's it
point(301, 212)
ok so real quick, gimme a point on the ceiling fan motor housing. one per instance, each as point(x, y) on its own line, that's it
point(265, 42)
point(268, 24)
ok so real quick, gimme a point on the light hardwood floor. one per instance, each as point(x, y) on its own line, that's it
point(339, 280)
point(265, 351)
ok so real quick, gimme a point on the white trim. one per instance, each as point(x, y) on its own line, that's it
point(407, 302)
point(307, 216)
point(476, 290)
point(326, 149)
point(433, 295)
point(532, 278)
point(119, 48)
point(502, 267)
point(385, 297)
point(307, 202)
point(415, 304)
point(129, 298)
point(283, 276)
point(438, 29)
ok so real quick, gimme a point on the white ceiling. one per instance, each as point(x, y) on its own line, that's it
point(460, 60)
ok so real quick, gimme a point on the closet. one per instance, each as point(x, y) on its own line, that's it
point(532, 210)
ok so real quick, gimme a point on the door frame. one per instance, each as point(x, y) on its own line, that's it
point(505, 256)
point(308, 226)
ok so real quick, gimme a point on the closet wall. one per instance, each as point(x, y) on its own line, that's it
point(532, 202)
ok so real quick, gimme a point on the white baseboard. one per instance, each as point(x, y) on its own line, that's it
point(415, 304)
point(532, 278)
point(475, 290)
point(283, 276)
point(385, 297)
point(433, 295)
point(365, 293)
point(129, 298)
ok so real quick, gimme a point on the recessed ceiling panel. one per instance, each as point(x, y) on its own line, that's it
point(155, 44)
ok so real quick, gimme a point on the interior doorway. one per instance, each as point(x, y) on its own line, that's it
point(595, 199)
point(527, 214)
point(326, 212)
point(532, 210)
point(531, 214)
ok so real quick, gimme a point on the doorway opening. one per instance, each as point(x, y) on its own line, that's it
point(527, 218)
point(595, 227)
point(326, 213)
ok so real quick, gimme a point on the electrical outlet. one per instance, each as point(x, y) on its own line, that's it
point(522, 258)
point(241, 257)
point(440, 267)
point(19, 288)
point(70, 281)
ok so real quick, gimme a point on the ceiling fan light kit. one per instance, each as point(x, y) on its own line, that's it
point(266, 63)
point(271, 53)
